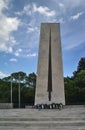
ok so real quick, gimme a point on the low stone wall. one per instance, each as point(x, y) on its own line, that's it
point(6, 105)
point(29, 107)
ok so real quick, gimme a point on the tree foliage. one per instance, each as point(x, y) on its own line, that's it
point(81, 64)
point(74, 87)
point(19, 76)
point(31, 79)
point(27, 94)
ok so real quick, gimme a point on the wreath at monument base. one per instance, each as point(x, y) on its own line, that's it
point(49, 106)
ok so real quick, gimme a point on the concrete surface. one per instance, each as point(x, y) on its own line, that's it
point(50, 59)
point(69, 118)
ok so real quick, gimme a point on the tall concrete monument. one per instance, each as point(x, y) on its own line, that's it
point(50, 83)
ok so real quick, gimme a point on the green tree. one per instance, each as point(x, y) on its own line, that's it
point(80, 79)
point(19, 76)
point(4, 91)
point(27, 94)
point(75, 88)
point(7, 79)
point(31, 80)
point(81, 64)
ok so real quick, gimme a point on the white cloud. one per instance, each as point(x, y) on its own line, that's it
point(2, 75)
point(13, 60)
point(3, 4)
point(35, 15)
point(75, 17)
point(7, 26)
point(17, 53)
point(4, 47)
point(71, 45)
point(61, 5)
point(25, 53)
point(71, 3)
point(12, 39)
point(66, 7)
point(18, 13)
point(61, 20)
point(32, 29)
point(74, 40)
point(32, 55)
point(19, 50)
point(12, 24)
point(44, 10)
point(9, 49)
point(28, 9)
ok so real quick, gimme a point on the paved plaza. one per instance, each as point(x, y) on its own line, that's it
point(69, 118)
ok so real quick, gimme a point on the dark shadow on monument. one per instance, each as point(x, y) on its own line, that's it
point(49, 70)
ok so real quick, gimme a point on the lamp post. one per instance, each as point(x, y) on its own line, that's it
point(11, 89)
point(19, 91)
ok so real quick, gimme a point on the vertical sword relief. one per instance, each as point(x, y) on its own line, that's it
point(49, 69)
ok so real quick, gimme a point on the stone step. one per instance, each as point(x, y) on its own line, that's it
point(43, 119)
point(44, 124)
point(69, 118)
point(39, 128)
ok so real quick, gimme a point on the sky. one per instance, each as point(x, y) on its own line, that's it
point(20, 22)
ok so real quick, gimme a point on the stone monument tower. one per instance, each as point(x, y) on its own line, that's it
point(50, 83)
